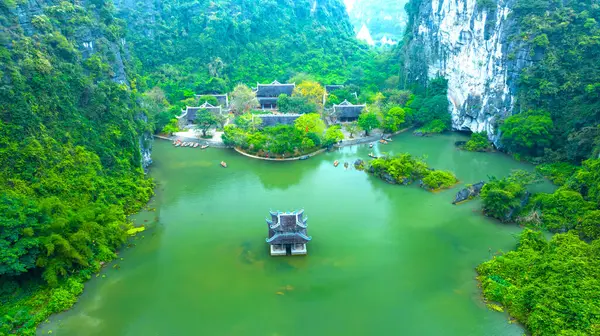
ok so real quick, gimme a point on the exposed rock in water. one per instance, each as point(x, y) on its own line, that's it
point(468, 192)
point(471, 45)
point(388, 178)
point(359, 164)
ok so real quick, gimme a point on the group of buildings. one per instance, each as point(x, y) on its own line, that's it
point(267, 95)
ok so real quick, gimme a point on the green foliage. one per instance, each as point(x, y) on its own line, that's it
point(502, 198)
point(589, 226)
point(205, 120)
point(564, 81)
point(393, 119)
point(310, 123)
point(562, 209)
point(439, 179)
point(551, 287)
point(368, 121)
point(433, 127)
point(208, 99)
point(243, 99)
point(558, 172)
point(404, 169)
point(203, 47)
point(305, 136)
point(171, 127)
point(338, 96)
point(71, 124)
point(352, 128)
point(300, 105)
point(430, 111)
point(333, 135)
point(478, 142)
point(527, 133)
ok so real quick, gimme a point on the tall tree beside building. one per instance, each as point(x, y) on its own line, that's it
point(368, 121)
point(312, 91)
point(243, 99)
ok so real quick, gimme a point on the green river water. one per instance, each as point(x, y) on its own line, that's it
point(384, 259)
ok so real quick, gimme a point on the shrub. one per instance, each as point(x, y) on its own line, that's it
point(478, 143)
point(439, 179)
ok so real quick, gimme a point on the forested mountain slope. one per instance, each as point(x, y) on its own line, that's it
point(70, 139)
point(504, 57)
point(73, 116)
point(202, 46)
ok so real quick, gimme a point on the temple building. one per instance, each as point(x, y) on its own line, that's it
point(346, 111)
point(188, 116)
point(277, 119)
point(287, 233)
point(222, 99)
point(267, 94)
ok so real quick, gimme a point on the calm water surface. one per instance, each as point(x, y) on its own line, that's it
point(384, 259)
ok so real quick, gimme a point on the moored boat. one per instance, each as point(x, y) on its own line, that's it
point(370, 145)
point(204, 147)
point(196, 145)
point(177, 144)
point(223, 164)
point(372, 155)
point(336, 163)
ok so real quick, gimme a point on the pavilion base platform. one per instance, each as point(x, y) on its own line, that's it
point(278, 250)
point(299, 249)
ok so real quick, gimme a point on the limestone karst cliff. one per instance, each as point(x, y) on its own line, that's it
point(473, 47)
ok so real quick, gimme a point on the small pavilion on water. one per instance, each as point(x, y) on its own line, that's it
point(287, 233)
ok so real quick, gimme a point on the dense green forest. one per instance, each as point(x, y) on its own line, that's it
point(189, 48)
point(70, 135)
point(82, 85)
point(552, 286)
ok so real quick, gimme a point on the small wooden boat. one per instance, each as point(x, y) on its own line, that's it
point(196, 145)
point(204, 147)
point(336, 163)
point(383, 141)
point(223, 164)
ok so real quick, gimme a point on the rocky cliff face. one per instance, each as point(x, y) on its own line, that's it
point(26, 18)
point(474, 49)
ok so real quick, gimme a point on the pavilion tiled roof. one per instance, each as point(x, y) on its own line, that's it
point(274, 89)
point(347, 110)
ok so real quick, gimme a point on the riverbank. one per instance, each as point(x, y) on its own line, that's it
point(209, 142)
point(296, 158)
point(376, 136)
